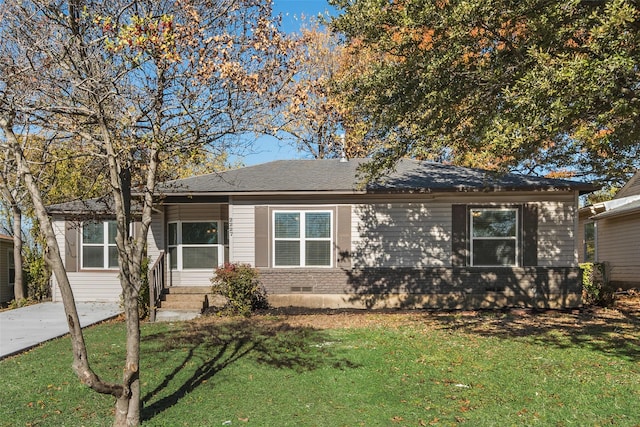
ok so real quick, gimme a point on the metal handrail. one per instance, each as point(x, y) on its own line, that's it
point(156, 285)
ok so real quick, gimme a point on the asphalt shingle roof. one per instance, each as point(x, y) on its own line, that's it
point(335, 176)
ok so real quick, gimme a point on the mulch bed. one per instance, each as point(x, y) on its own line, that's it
point(625, 312)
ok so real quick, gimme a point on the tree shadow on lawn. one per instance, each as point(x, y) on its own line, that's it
point(614, 332)
point(212, 345)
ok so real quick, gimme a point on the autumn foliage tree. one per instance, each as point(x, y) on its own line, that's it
point(130, 85)
point(314, 118)
point(530, 84)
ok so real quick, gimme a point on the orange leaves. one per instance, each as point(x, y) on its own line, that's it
point(560, 173)
point(486, 43)
point(512, 31)
point(602, 133)
point(422, 37)
point(397, 36)
point(426, 43)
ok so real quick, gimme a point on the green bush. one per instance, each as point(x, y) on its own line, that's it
point(143, 295)
point(596, 289)
point(240, 285)
point(22, 302)
point(36, 274)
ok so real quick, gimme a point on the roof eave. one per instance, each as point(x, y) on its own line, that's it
point(459, 189)
point(616, 213)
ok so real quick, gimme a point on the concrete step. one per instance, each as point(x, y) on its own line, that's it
point(183, 305)
point(185, 298)
point(201, 290)
point(195, 298)
point(166, 315)
point(186, 302)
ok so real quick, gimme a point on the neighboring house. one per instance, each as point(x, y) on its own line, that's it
point(7, 269)
point(427, 235)
point(610, 233)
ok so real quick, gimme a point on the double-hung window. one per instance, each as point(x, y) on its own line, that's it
point(197, 245)
point(494, 236)
point(99, 245)
point(302, 238)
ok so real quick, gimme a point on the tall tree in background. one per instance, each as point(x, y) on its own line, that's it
point(503, 84)
point(314, 117)
point(135, 83)
point(13, 193)
point(311, 117)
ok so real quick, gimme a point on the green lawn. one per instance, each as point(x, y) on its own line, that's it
point(367, 369)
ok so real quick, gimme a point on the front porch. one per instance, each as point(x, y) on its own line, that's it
point(171, 303)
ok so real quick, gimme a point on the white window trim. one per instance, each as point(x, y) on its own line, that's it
point(105, 245)
point(221, 245)
point(515, 238)
point(303, 239)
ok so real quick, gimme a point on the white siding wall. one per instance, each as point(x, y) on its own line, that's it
point(92, 285)
point(191, 277)
point(155, 238)
point(242, 233)
point(619, 245)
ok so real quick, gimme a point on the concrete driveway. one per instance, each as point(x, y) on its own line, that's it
point(26, 327)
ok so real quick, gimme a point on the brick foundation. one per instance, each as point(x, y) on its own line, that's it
point(458, 288)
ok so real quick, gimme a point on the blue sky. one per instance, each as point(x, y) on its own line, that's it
point(293, 10)
point(267, 149)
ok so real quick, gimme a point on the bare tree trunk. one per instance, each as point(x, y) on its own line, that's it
point(53, 258)
point(128, 406)
point(18, 284)
point(16, 213)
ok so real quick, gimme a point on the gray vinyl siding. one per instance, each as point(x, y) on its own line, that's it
point(619, 246)
point(418, 234)
point(401, 235)
point(580, 237)
point(632, 187)
point(197, 212)
point(556, 234)
point(402, 231)
point(387, 231)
